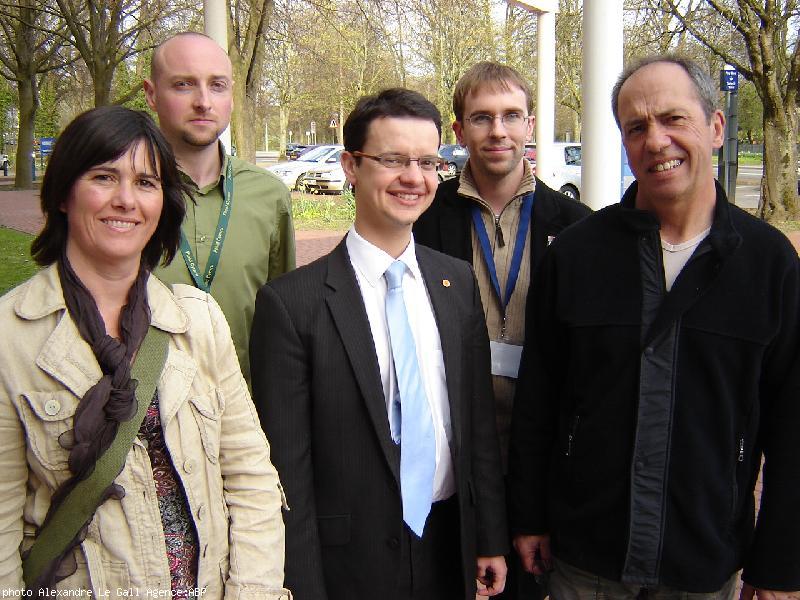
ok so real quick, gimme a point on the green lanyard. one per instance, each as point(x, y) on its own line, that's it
point(204, 281)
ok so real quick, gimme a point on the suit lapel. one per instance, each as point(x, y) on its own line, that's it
point(350, 318)
point(441, 288)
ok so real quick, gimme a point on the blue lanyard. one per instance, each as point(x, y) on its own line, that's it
point(516, 259)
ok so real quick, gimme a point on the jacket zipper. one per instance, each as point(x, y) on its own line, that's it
point(739, 460)
point(498, 233)
point(571, 436)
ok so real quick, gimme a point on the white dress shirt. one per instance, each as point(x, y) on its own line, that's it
point(370, 263)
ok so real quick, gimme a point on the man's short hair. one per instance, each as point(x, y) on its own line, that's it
point(99, 136)
point(704, 86)
point(495, 76)
point(393, 102)
point(155, 58)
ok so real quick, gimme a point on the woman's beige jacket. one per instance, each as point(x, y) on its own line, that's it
point(211, 431)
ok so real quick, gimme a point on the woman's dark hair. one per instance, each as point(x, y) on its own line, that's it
point(95, 137)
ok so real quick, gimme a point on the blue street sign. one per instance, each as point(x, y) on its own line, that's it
point(46, 145)
point(728, 80)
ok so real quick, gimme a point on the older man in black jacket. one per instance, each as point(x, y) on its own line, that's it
point(661, 364)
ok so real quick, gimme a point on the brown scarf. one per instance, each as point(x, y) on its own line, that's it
point(106, 404)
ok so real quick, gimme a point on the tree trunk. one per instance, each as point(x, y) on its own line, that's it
point(283, 123)
point(340, 123)
point(102, 77)
point(28, 103)
point(576, 126)
point(779, 200)
point(242, 118)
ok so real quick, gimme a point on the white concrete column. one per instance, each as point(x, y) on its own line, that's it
point(215, 25)
point(602, 64)
point(545, 109)
point(545, 94)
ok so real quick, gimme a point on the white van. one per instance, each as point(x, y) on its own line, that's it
point(566, 175)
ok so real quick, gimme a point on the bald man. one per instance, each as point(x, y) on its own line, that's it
point(238, 231)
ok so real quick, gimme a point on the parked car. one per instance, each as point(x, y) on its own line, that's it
point(298, 149)
point(455, 156)
point(290, 148)
point(530, 153)
point(566, 174)
point(326, 178)
point(303, 149)
point(291, 171)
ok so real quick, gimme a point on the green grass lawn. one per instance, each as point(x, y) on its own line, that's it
point(750, 159)
point(17, 264)
point(317, 211)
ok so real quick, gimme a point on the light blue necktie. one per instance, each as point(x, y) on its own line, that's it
point(417, 440)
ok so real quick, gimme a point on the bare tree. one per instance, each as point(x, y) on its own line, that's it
point(247, 26)
point(760, 39)
point(27, 50)
point(569, 59)
point(325, 54)
point(283, 66)
point(451, 36)
point(108, 32)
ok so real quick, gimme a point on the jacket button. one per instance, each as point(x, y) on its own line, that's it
point(393, 543)
point(649, 351)
point(188, 465)
point(52, 407)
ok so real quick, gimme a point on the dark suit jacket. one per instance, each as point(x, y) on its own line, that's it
point(447, 225)
point(317, 388)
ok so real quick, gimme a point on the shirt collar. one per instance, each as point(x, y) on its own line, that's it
point(468, 189)
point(371, 262)
point(42, 295)
point(224, 159)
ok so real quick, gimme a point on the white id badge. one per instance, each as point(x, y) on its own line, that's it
point(505, 359)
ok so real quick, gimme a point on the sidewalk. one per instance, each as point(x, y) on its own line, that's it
point(20, 210)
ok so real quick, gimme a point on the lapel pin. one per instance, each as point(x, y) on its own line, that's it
point(550, 239)
point(446, 282)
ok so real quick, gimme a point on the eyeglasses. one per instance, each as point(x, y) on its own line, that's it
point(401, 161)
point(510, 120)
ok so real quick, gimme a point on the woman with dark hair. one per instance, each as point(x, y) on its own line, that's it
point(131, 457)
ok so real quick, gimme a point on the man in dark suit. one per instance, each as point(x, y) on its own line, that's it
point(371, 377)
point(498, 216)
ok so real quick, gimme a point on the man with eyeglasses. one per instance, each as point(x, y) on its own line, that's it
point(498, 216)
point(371, 379)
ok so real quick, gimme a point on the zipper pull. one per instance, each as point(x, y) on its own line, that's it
point(571, 435)
point(498, 233)
point(741, 449)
